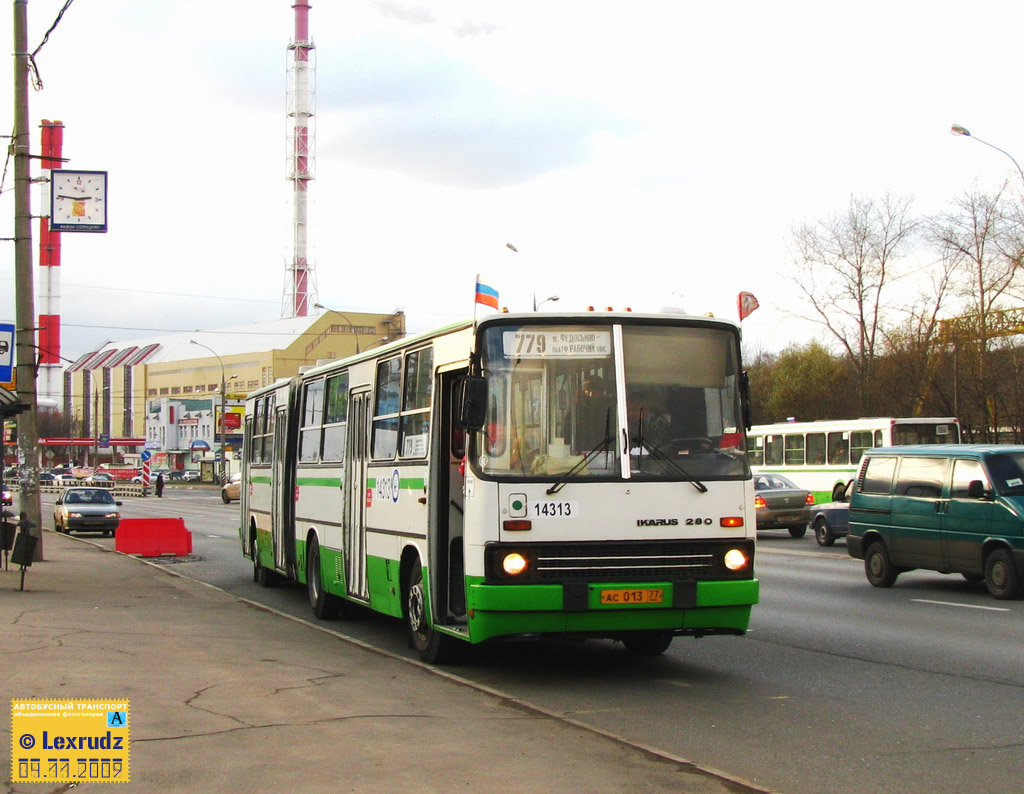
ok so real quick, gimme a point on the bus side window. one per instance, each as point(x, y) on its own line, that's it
point(838, 449)
point(815, 448)
point(860, 442)
point(795, 449)
point(755, 452)
point(335, 417)
point(384, 442)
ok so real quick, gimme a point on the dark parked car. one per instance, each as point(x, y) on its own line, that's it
point(86, 509)
point(832, 519)
point(782, 505)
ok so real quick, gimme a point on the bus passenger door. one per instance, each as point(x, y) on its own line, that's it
point(447, 488)
point(282, 498)
point(355, 495)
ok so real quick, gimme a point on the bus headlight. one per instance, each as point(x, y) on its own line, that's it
point(513, 563)
point(735, 560)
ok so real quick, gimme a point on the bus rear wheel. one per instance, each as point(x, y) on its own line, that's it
point(260, 575)
point(324, 604)
point(432, 646)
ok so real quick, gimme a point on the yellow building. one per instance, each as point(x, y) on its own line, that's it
point(167, 389)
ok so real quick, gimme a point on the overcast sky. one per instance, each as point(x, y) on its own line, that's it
point(641, 154)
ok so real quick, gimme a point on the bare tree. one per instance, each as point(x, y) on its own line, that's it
point(981, 237)
point(845, 264)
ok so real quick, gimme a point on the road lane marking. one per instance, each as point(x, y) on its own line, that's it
point(955, 604)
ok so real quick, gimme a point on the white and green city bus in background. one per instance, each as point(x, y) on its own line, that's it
point(824, 456)
point(530, 474)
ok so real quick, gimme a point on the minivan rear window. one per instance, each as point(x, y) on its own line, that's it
point(877, 475)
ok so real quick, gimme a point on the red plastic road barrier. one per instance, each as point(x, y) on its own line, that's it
point(151, 537)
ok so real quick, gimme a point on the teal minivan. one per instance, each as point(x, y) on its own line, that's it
point(955, 508)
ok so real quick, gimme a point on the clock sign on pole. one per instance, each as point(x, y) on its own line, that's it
point(78, 201)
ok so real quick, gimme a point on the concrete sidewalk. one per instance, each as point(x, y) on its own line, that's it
point(228, 697)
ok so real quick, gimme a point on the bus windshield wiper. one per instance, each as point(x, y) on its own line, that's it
point(674, 467)
point(661, 457)
point(559, 484)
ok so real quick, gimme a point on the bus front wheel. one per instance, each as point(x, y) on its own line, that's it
point(648, 643)
point(432, 646)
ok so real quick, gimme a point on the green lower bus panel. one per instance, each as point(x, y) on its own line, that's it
point(385, 587)
point(498, 610)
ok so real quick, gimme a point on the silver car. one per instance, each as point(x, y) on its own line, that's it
point(86, 510)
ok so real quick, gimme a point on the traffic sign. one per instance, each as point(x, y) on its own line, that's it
point(146, 455)
point(6, 352)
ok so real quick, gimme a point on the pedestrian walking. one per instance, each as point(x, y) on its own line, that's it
point(160, 484)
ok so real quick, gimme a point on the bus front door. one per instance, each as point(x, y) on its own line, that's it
point(355, 495)
point(447, 485)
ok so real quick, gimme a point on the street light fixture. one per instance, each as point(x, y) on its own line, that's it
point(352, 327)
point(536, 305)
point(956, 129)
point(223, 406)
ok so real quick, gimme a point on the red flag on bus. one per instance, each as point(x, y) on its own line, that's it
point(746, 303)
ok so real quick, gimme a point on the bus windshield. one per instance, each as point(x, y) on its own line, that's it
point(628, 401)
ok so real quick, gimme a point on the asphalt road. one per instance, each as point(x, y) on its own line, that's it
point(838, 686)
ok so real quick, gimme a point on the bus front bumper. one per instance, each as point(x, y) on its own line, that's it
point(606, 608)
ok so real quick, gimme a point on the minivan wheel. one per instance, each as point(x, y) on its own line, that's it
point(1001, 577)
point(878, 567)
point(823, 533)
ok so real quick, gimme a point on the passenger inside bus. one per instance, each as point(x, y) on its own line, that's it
point(594, 416)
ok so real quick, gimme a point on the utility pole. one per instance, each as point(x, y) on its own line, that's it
point(25, 312)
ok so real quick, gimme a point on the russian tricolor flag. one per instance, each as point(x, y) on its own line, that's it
point(485, 295)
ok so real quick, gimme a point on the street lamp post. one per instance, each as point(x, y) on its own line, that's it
point(343, 317)
point(223, 406)
point(537, 305)
point(956, 129)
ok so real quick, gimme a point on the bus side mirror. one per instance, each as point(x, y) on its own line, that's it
point(472, 402)
point(976, 490)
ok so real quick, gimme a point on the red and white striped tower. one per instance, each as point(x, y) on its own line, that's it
point(299, 288)
point(49, 382)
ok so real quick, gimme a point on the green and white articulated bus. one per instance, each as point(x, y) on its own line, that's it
point(579, 474)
